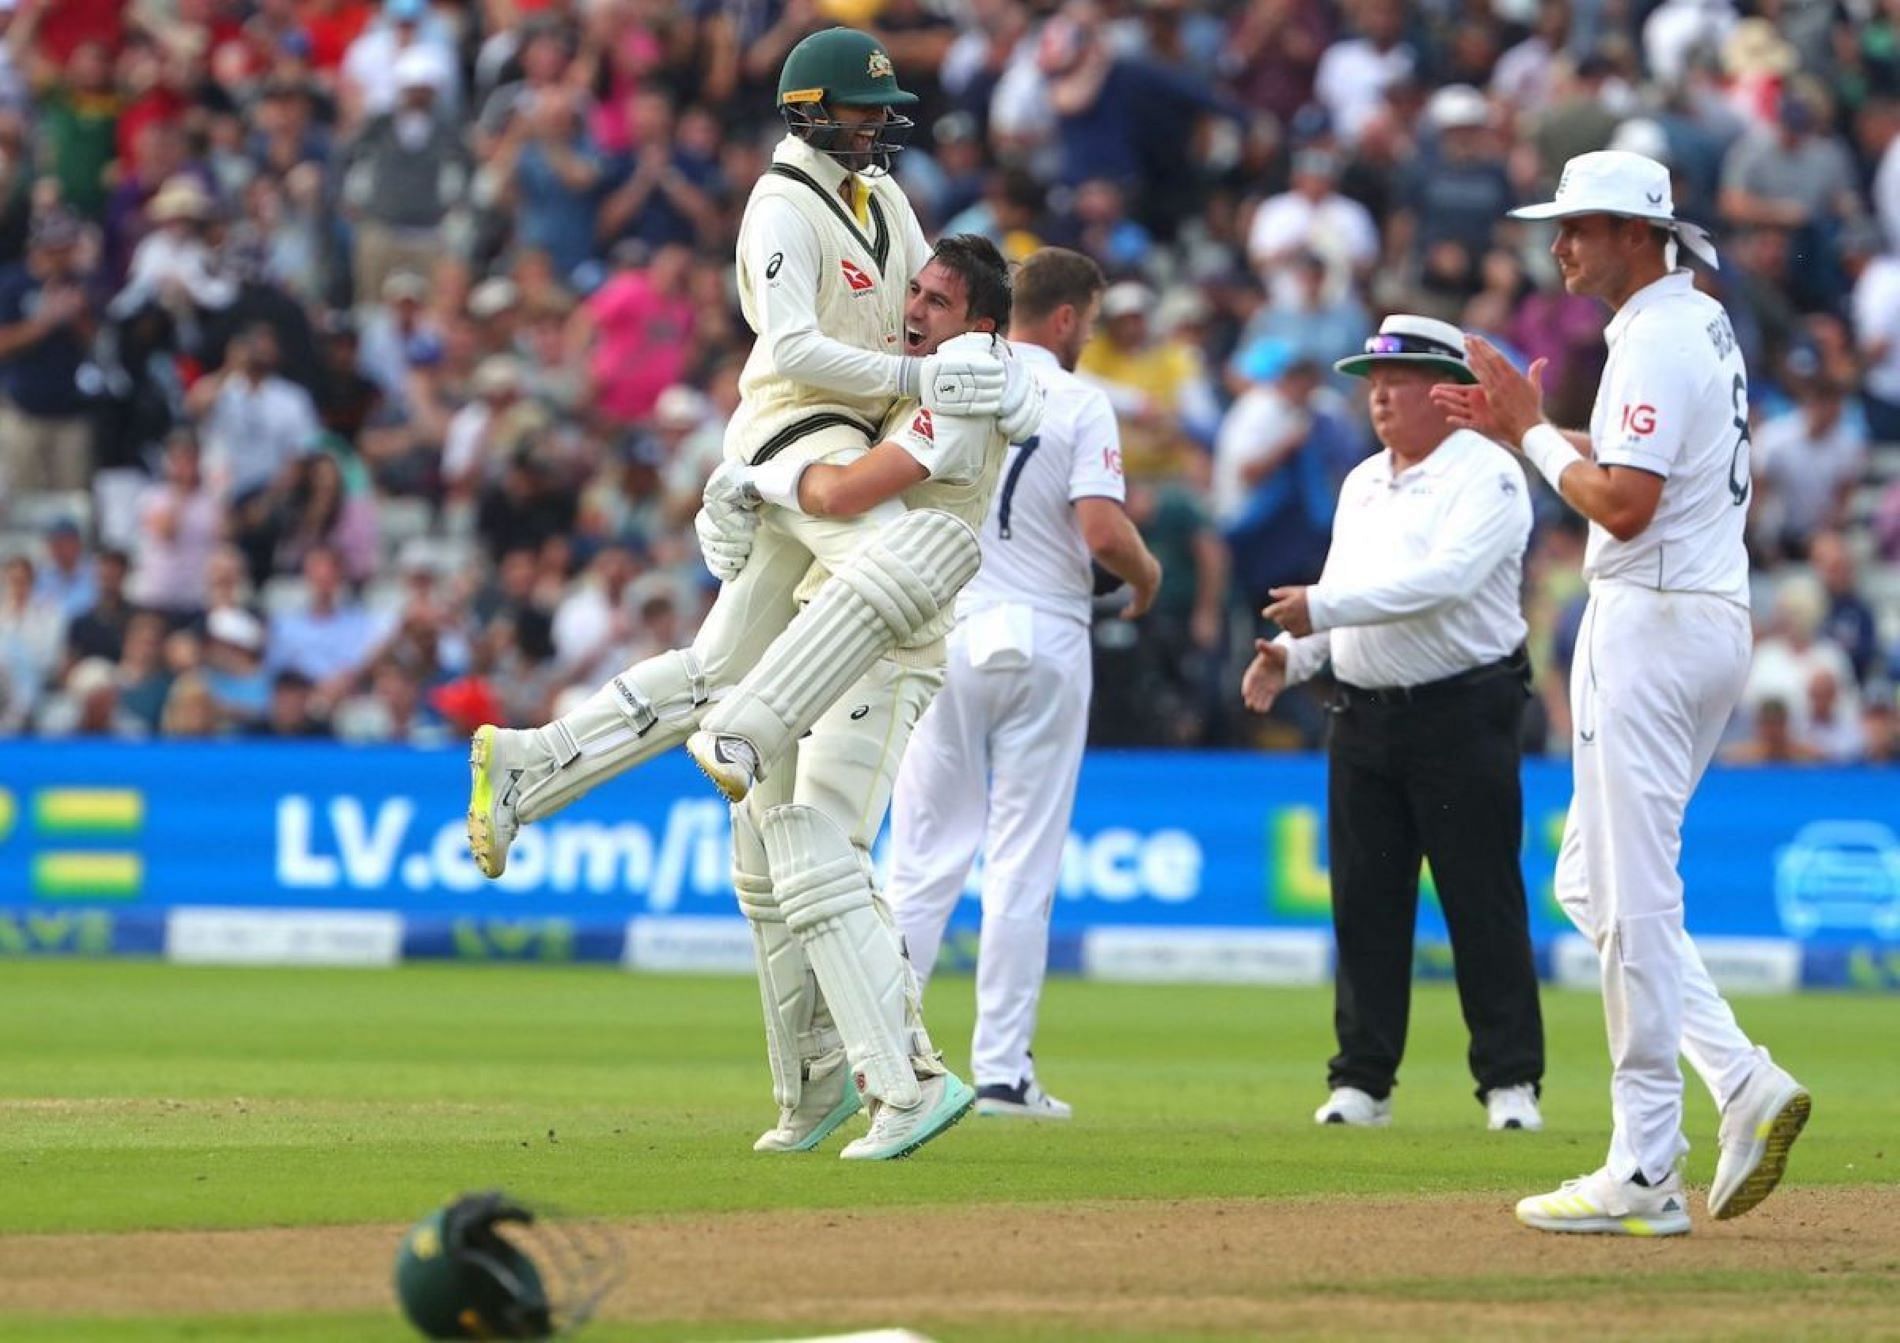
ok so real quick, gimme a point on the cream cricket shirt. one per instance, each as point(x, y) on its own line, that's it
point(823, 283)
point(1674, 401)
point(1423, 577)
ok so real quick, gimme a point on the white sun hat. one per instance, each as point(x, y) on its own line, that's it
point(1617, 182)
point(1407, 339)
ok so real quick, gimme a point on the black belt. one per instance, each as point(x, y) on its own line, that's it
point(1518, 664)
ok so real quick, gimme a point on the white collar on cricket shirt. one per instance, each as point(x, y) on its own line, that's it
point(1678, 281)
point(1035, 355)
point(1441, 462)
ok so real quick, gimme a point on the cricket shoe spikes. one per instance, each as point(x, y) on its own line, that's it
point(732, 763)
point(1759, 1125)
point(496, 767)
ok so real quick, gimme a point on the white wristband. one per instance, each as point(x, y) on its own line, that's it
point(777, 481)
point(1550, 452)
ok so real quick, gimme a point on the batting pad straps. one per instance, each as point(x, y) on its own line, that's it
point(645, 711)
point(824, 892)
point(886, 595)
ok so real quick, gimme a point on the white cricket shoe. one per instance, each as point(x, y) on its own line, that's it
point(1350, 1105)
point(1513, 1108)
point(1759, 1125)
point(732, 763)
point(496, 765)
point(825, 1101)
point(1025, 1100)
point(1601, 1204)
point(897, 1133)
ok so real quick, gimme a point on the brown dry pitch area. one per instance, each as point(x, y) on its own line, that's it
point(1810, 1263)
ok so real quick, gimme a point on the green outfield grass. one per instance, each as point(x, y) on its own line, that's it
point(140, 1096)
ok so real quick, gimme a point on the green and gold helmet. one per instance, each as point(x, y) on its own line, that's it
point(842, 67)
point(458, 1276)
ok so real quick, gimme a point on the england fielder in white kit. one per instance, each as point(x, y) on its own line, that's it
point(1663, 476)
point(993, 764)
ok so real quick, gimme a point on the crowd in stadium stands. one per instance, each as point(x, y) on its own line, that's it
point(361, 361)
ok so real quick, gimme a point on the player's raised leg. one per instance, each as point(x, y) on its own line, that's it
point(891, 593)
point(520, 776)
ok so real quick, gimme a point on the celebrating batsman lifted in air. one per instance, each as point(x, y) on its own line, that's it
point(833, 278)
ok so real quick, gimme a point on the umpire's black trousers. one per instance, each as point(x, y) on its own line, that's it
point(1433, 774)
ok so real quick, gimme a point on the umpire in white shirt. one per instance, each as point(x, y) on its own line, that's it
point(1418, 611)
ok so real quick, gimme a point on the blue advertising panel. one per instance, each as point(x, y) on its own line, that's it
point(98, 842)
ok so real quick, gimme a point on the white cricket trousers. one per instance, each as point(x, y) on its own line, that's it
point(1653, 682)
point(993, 767)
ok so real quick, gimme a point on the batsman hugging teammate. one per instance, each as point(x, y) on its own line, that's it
point(857, 346)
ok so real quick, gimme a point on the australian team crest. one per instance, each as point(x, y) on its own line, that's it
point(880, 66)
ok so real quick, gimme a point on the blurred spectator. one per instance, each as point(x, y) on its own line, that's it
point(593, 628)
point(635, 333)
point(1355, 72)
point(80, 123)
point(405, 48)
point(174, 266)
point(1772, 742)
point(401, 177)
point(1144, 378)
point(1876, 313)
point(1311, 219)
point(45, 326)
point(190, 709)
point(1796, 176)
point(180, 524)
point(1314, 319)
point(1807, 462)
point(88, 706)
point(1850, 622)
point(1454, 197)
point(99, 630)
point(1880, 730)
point(1793, 653)
point(1832, 726)
point(292, 713)
point(664, 187)
point(143, 678)
point(329, 640)
point(67, 578)
point(547, 170)
point(31, 630)
point(234, 665)
point(1274, 53)
point(1580, 116)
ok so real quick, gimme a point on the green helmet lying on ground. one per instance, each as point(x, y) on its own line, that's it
point(457, 1276)
point(842, 67)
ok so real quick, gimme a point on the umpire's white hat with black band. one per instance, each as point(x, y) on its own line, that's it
point(1617, 182)
point(1421, 341)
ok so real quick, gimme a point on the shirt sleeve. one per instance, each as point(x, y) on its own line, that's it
point(1096, 471)
point(1489, 520)
point(782, 259)
point(1304, 657)
point(949, 447)
point(1648, 402)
